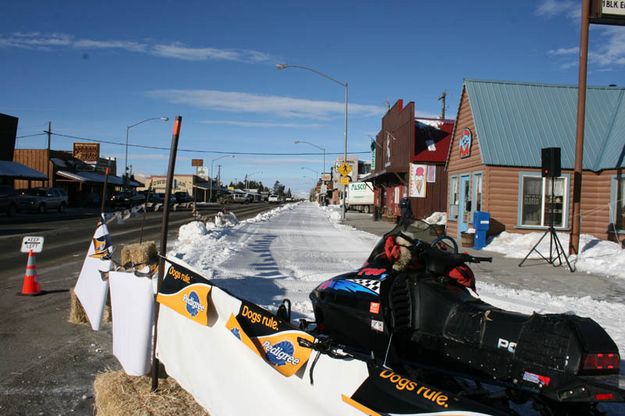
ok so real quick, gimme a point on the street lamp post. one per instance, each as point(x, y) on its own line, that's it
point(344, 85)
point(127, 133)
point(210, 194)
point(318, 147)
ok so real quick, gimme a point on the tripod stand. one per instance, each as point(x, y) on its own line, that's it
point(554, 240)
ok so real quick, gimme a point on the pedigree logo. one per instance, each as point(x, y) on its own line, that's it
point(405, 384)
point(281, 353)
point(194, 305)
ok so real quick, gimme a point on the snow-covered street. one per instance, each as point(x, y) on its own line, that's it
point(285, 253)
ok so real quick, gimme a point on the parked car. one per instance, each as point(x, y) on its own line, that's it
point(9, 200)
point(126, 199)
point(43, 199)
point(152, 197)
point(273, 199)
point(182, 197)
point(172, 198)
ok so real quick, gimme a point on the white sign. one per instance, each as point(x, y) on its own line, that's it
point(202, 172)
point(32, 243)
point(417, 181)
point(614, 7)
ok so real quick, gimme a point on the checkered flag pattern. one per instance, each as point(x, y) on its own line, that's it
point(371, 284)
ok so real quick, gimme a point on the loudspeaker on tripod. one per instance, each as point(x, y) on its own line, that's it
point(550, 157)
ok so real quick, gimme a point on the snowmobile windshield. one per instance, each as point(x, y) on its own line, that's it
point(415, 229)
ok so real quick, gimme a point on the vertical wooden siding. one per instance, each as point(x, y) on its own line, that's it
point(37, 159)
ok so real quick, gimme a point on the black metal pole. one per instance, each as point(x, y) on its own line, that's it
point(163, 250)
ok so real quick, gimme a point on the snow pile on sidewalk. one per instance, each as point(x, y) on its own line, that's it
point(335, 212)
point(597, 256)
point(437, 218)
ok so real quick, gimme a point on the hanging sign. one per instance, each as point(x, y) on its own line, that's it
point(417, 181)
point(465, 143)
point(270, 337)
point(186, 292)
point(607, 12)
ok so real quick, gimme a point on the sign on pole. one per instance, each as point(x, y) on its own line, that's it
point(607, 12)
point(345, 169)
point(197, 162)
point(344, 180)
point(32, 243)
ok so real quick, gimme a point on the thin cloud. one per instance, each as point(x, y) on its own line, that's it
point(242, 102)
point(175, 50)
point(564, 51)
point(612, 49)
point(568, 8)
point(263, 124)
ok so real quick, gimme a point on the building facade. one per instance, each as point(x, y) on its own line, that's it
point(494, 161)
point(409, 160)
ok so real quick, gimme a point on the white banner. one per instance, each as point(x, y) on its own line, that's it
point(92, 288)
point(239, 363)
point(132, 305)
point(417, 181)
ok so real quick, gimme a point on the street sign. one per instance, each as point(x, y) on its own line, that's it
point(32, 243)
point(197, 162)
point(344, 180)
point(345, 169)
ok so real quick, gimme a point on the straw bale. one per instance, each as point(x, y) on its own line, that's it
point(77, 313)
point(117, 393)
point(139, 254)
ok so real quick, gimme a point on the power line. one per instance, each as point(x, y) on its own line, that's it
point(67, 136)
point(30, 135)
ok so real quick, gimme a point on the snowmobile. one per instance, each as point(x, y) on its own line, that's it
point(412, 308)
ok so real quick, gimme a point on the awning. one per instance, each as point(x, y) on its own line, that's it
point(93, 177)
point(385, 178)
point(16, 170)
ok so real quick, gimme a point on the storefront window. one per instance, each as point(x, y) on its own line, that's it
point(539, 203)
point(453, 197)
point(618, 202)
point(477, 191)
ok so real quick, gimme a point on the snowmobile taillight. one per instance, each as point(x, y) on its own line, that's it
point(604, 396)
point(593, 362)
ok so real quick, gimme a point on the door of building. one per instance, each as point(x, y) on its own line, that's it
point(464, 203)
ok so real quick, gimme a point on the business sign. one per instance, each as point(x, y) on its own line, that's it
point(31, 243)
point(202, 172)
point(186, 292)
point(326, 177)
point(417, 184)
point(465, 143)
point(607, 12)
point(274, 340)
point(197, 162)
point(87, 152)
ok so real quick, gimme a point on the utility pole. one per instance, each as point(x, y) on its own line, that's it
point(442, 98)
point(49, 184)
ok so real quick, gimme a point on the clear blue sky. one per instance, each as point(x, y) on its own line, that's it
point(93, 68)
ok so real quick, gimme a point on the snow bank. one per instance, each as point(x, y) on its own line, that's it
point(597, 256)
point(437, 218)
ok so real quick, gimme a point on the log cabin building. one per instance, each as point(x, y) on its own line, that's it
point(494, 161)
point(408, 158)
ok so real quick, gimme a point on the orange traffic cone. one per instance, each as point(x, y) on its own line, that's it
point(31, 285)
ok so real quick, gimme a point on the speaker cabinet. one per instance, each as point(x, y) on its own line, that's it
point(551, 162)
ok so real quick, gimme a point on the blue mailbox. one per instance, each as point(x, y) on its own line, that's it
point(481, 223)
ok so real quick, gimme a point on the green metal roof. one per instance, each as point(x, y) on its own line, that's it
point(514, 120)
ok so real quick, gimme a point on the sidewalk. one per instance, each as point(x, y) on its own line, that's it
point(535, 275)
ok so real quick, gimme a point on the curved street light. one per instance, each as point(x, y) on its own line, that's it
point(312, 170)
point(318, 147)
point(344, 85)
point(127, 133)
point(210, 194)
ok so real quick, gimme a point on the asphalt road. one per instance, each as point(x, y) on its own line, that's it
point(47, 365)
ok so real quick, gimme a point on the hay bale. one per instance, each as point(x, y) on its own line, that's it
point(117, 393)
point(77, 313)
point(139, 254)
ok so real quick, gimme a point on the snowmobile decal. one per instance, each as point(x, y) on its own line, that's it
point(270, 338)
point(356, 286)
point(185, 292)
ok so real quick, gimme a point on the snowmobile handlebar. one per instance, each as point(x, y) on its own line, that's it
point(440, 262)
